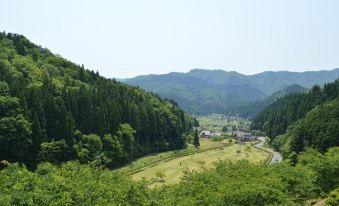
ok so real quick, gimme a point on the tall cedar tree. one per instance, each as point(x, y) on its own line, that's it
point(196, 141)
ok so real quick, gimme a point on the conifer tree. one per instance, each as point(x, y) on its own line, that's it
point(196, 141)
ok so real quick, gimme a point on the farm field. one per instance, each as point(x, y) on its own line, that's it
point(215, 122)
point(147, 161)
point(173, 169)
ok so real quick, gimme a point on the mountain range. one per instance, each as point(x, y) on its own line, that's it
point(201, 91)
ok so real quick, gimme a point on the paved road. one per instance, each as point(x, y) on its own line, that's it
point(276, 155)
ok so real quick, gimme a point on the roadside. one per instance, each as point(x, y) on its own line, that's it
point(276, 156)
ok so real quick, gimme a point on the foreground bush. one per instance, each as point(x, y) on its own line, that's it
point(333, 198)
point(230, 183)
point(241, 183)
point(69, 184)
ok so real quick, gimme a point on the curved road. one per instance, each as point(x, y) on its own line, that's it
point(276, 155)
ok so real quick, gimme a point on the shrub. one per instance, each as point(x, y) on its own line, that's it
point(217, 139)
point(160, 175)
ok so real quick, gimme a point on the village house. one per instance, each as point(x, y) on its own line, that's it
point(206, 133)
point(246, 137)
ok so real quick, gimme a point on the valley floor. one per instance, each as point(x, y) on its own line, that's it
point(173, 168)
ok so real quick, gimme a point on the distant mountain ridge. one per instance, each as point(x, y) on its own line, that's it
point(202, 91)
point(251, 109)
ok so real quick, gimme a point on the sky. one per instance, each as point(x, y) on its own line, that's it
point(127, 38)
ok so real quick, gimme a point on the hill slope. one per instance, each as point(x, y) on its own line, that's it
point(216, 91)
point(251, 109)
point(309, 120)
point(54, 110)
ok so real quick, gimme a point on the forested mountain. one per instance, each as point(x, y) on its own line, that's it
point(216, 91)
point(251, 109)
point(198, 92)
point(54, 110)
point(308, 119)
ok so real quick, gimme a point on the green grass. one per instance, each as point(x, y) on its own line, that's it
point(173, 168)
point(151, 160)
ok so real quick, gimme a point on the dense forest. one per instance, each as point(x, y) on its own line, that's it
point(299, 121)
point(54, 110)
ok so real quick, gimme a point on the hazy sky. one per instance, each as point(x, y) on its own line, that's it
point(126, 38)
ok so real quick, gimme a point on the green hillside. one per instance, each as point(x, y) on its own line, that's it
point(216, 91)
point(200, 91)
point(251, 109)
point(54, 110)
point(310, 120)
point(319, 129)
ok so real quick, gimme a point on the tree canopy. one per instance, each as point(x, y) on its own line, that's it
point(54, 110)
point(230, 183)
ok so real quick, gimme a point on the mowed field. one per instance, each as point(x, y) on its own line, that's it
point(173, 169)
point(153, 159)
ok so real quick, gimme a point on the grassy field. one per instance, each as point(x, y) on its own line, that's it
point(173, 169)
point(215, 122)
point(150, 160)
